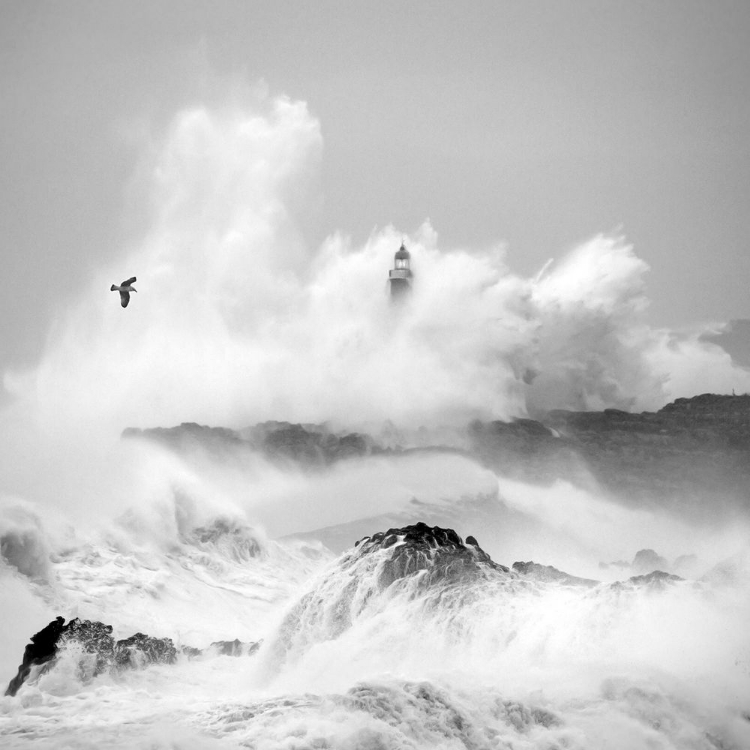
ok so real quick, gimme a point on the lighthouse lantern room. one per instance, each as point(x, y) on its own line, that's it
point(400, 276)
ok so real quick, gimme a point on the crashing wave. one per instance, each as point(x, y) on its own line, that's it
point(23, 543)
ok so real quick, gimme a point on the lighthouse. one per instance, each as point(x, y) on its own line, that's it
point(400, 276)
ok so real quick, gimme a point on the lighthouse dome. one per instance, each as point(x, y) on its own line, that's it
point(402, 253)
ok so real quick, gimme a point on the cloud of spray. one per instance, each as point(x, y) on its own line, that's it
point(237, 320)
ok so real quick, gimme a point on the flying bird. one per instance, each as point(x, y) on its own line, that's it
point(125, 288)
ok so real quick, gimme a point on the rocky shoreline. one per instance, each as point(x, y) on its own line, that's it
point(433, 556)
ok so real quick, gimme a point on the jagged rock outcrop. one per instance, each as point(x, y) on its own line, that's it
point(418, 561)
point(419, 547)
point(95, 638)
point(41, 650)
point(141, 650)
point(548, 574)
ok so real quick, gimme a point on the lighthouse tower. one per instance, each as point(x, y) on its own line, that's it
point(400, 276)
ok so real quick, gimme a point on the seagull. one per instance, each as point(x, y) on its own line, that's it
point(125, 288)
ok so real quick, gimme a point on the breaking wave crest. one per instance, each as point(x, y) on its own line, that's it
point(23, 543)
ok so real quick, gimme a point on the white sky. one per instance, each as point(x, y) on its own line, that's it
point(533, 123)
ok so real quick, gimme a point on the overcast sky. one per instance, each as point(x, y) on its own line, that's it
point(535, 124)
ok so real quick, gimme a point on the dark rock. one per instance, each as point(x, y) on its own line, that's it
point(548, 574)
point(95, 638)
point(420, 547)
point(42, 649)
point(429, 560)
point(141, 650)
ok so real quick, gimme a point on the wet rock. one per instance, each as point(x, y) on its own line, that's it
point(41, 650)
point(92, 637)
point(141, 650)
point(419, 547)
point(95, 640)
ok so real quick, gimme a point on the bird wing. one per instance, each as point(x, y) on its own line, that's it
point(124, 298)
point(128, 282)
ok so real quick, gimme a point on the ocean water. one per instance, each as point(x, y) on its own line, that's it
point(500, 661)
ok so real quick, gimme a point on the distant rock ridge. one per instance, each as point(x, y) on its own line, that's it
point(308, 444)
point(688, 450)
